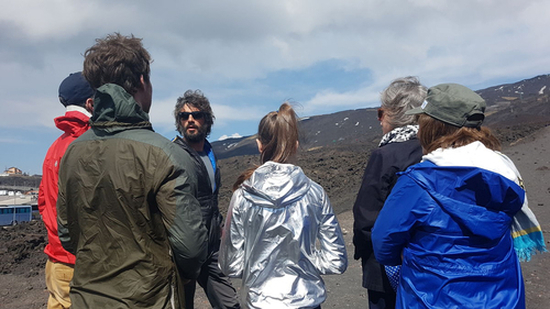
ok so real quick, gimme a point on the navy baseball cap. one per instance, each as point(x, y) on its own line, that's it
point(75, 90)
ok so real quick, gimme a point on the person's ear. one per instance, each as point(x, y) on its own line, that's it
point(142, 82)
point(89, 105)
point(260, 146)
point(297, 145)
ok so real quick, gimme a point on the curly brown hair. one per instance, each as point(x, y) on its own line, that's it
point(117, 59)
point(197, 100)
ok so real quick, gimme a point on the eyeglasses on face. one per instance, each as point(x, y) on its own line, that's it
point(380, 113)
point(196, 115)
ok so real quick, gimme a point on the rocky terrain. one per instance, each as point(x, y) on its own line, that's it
point(339, 170)
point(334, 153)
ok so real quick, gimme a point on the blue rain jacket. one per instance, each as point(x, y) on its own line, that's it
point(449, 226)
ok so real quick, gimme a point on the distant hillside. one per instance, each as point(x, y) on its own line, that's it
point(232, 147)
point(524, 104)
point(517, 110)
point(20, 182)
point(341, 128)
point(536, 87)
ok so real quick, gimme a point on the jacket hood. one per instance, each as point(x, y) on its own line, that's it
point(74, 122)
point(481, 201)
point(275, 185)
point(116, 110)
point(477, 155)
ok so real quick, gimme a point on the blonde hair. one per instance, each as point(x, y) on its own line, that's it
point(434, 134)
point(278, 134)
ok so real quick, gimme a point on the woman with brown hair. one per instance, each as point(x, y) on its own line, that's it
point(276, 216)
point(451, 221)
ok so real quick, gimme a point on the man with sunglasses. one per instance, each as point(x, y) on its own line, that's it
point(194, 119)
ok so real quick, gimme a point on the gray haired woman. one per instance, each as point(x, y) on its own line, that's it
point(398, 149)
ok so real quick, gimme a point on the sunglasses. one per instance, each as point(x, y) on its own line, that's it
point(380, 114)
point(196, 115)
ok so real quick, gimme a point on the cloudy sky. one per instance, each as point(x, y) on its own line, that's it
point(248, 56)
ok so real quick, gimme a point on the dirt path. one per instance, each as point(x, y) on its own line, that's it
point(343, 291)
point(532, 158)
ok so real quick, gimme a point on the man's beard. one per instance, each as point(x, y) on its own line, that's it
point(196, 137)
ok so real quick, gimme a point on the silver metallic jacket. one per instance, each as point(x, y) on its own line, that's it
point(269, 240)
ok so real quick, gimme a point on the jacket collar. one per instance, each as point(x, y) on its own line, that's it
point(74, 122)
point(180, 141)
point(116, 110)
point(207, 149)
point(76, 108)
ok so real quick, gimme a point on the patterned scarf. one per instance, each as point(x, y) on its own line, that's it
point(526, 232)
point(398, 135)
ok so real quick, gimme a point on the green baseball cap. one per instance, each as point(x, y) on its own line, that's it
point(453, 104)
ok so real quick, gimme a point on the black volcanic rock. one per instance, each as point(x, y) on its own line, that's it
point(337, 168)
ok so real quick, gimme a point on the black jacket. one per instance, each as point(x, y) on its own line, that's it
point(207, 199)
point(378, 181)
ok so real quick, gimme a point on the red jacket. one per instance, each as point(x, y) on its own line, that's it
point(74, 123)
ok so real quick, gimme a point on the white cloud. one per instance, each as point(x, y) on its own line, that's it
point(224, 137)
point(230, 113)
point(350, 99)
point(247, 39)
point(230, 48)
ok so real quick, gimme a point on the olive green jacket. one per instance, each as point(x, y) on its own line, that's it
point(127, 210)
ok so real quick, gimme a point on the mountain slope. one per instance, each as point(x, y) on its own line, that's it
point(524, 103)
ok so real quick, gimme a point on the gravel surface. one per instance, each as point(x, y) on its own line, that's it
point(339, 171)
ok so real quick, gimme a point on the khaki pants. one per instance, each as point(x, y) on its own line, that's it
point(58, 278)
